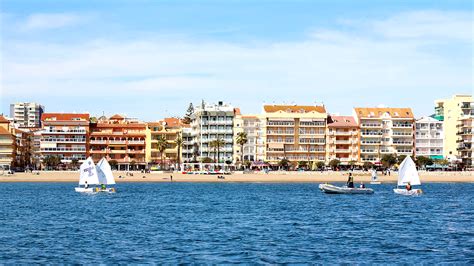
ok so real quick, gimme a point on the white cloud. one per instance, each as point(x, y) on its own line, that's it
point(330, 65)
point(45, 21)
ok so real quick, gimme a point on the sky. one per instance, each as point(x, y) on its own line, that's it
point(150, 59)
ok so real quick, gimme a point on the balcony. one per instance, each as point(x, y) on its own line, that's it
point(369, 151)
point(72, 131)
point(48, 150)
point(402, 125)
point(64, 140)
point(404, 151)
point(371, 134)
point(371, 125)
point(136, 142)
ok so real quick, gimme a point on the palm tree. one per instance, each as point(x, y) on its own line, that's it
point(161, 145)
point(213, 145)
point(179, 144)
point(242, 140)
point(219, 143)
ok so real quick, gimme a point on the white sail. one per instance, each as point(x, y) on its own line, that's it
point(105, 172)
point(88, 173)
point(407, 173)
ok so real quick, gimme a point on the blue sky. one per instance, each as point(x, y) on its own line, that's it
point(149, 59)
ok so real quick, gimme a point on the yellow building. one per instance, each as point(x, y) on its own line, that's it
point(294, 132)
point(385, 131)
point(7, 144)
point(254, 149)
point(450, 111)
point(170, 129)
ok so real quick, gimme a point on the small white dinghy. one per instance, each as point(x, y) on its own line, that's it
point(407, 173)
point(88, 176)
point(375, 180)
point(331, 189)
point(91, 175)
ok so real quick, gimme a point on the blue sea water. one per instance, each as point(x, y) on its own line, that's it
point(234, 223)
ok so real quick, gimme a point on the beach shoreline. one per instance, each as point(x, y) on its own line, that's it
point(275, 177)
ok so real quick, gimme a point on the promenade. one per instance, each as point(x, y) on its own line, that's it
point(272, 177)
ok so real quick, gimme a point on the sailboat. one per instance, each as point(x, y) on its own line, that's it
point(91, 175)
point(88, 176)
point(374, 180)
point(407, 173)
point(105, 176)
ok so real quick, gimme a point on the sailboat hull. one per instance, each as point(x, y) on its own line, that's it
point(94, 190)
point(413, 192)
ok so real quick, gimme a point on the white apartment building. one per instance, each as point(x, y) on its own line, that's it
point(254, 149)
point(429, 138)
point(466, 135)
point(210, 122)
point(187, 150)
point(385, 131)
point(27, 114)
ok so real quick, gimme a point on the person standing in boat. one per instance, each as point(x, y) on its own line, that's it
point(86, 185)
point(408, 186)
point(350, 181)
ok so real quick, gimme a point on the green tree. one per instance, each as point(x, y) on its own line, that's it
point(242, 139)
point(52, 161)
point(161, 146)
point(334, 163)
point(320, 164)
point(368, 165)
point(179, 144)
point(388, 160)
point(422, 161)
point(187, 117)
point(113, 164)
point(302, 164)
point(442, 162)
point(74, 163)
point(400, 158)
point(284, 163)
point(217, 144)
point(213, 145)
point(206, 160)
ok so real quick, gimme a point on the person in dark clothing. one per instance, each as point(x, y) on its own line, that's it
point(408, 186)
point(350, 181)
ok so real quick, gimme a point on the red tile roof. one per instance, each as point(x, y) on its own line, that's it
point(341, 121)
point(3, 119)
point(117, 117)
point(378, 112)
point(237, 111)
point(63, 117)
point(294, 108)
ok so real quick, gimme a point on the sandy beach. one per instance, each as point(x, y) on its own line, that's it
point(275, 177)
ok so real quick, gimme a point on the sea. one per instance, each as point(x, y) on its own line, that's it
point(223, 223)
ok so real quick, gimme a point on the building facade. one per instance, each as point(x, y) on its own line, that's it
point(210, 123)
point(188, 151)
point(254, 149)
point(429, 138)
point(170, 130)
point(7, 144)
point(465, 139)
point(294, 132)
point(65, 135)
point(385, 131)
point(120, 140)
point(343, 140)
point(450, 111)
point(27, 114)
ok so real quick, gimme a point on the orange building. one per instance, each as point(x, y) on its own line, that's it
point(343, 139)
point(64, 135)
point(7, 144)
point(120, 140)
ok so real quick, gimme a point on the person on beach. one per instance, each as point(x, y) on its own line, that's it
point(408, 186)
point(350, 181)
point(171, 177)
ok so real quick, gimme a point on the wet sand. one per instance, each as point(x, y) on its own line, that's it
point(272, 177)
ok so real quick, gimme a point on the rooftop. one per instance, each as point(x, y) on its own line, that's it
point(64, 117)
point(341, 121)
point(294, 108)
point(378, 112)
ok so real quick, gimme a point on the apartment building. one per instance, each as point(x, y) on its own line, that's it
point(120, 140)
point(187, 152)
point(294, 132)
point(27, 114)
point(429, 138)
point(343, 140)
point(385, 131)
point(450, 111)
point(212, 122)
point(64, 135)
point(7, 144)
point(254, 149)
point(169, 129)
point(465, 135)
